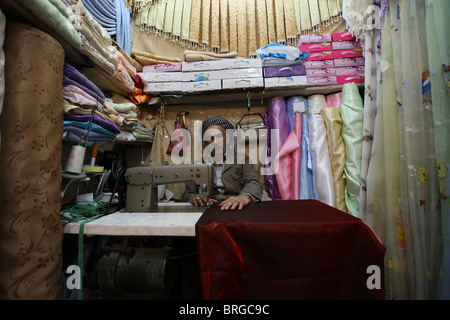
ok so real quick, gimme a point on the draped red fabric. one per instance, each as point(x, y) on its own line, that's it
point(284, 250)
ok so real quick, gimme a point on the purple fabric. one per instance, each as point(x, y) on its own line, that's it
point(75, 77)
point(95, 119)
point(270, 180)
point(278, 118)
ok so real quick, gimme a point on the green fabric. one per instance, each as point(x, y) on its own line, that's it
point(57, 16)
point(352, 113)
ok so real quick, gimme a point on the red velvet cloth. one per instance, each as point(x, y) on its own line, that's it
point(283, 250)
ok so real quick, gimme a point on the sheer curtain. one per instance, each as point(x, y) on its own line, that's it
point(403, 202)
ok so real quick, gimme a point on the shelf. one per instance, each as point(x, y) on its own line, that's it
point(241, 94)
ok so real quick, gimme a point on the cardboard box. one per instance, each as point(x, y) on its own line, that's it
point(201, 65)
point(320, 55)
point(313, 38)
point(162, 67)
point(348, 53)
point(241, 63)
point(342, 36)
point(318, 64)
point(343, 45)
point(319, 46)
point(320, 72)
point(285, 82)
point(321, 81)
point(242, 83)
point(202, 75)
point(162, 87)
point(349, 62)
point(161, 77)
point(345, 71)
point(284, 71)
point(356, 78)
point(242, 73)
point(196, 86)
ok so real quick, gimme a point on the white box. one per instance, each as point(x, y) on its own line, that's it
point(201, 65)
point(162, 87)
point(242, 83)
point(194, 86)
point(196, 75)
point(285, 82)
point(241, 63)
point(162, 76)
point(242, 73)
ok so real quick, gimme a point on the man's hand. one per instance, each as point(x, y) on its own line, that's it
point(198, 200)
point(234, 202)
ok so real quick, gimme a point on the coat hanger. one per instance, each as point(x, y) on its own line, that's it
point(260, 124)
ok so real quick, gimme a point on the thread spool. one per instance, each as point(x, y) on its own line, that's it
point(76, 158)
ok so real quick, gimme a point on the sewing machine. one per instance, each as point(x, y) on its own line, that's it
point(143, 181)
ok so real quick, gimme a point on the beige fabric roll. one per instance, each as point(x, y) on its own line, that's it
point(194, 30)
point(279, 21)
point(30, 166)
point(336, 149)
point(261, 20)
point(271, 21)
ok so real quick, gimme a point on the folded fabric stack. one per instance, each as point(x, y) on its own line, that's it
point(57, 16)
point(114, 17)
point(278, 55)
point(81, 99)
point(98, 46)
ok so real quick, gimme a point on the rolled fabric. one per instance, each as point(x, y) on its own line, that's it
point(307, 189)
point(323, 178)
point(336, 150)
point(352, 113)
point(30, 166)
point(288, 174)
point(270, 179)
point(334, 99)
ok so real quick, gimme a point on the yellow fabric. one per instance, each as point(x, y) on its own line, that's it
point(336, 150)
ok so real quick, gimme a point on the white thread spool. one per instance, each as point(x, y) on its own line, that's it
point(76, 159)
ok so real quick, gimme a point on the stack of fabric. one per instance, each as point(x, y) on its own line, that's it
point(114, 17)
point(98, 46)
point(81, 99)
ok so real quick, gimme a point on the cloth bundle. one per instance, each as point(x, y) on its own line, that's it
point(146, 58)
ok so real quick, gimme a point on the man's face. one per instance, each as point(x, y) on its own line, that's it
point(216, 141)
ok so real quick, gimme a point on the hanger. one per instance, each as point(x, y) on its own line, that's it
point(254, 125)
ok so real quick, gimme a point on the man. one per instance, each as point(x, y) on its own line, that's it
point(235, 185)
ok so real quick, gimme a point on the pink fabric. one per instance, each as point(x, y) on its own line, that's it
point(289, 156)
point(334, 100)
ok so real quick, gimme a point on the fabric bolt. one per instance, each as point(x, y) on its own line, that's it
point(336, 150)
point(195, 22)
point(289, 157)
point(279, 22)
point(352, 113)
point(261, 20)
point(30, 166)
point(269, 162)
point(205, 26)
point(307, 187)
point(271, 28)
point(215, 32)
point(323, 178)
point(334, 99)
point(224, 23)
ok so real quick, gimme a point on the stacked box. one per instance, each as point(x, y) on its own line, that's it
point(333, 59)
point(348, 58)
point(201, 76)
point(161, 78)
point(242, 73)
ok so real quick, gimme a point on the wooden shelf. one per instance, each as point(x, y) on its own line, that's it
point(223, 96)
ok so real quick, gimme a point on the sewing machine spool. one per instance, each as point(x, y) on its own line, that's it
point(76, 159)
